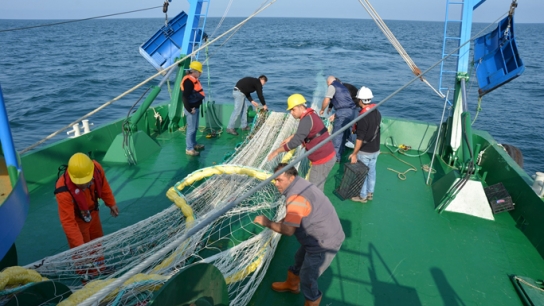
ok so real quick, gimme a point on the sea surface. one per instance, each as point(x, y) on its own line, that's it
point(53, 75)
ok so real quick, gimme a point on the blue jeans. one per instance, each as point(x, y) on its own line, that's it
point(240, 109)
point(310, 266)
point(369, 159)
point(341, 118)
point(192, 125)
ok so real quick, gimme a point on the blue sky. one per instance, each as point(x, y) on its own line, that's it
point(433, 10)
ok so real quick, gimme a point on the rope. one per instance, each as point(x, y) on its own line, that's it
point(207, 108)
point(127, 133)
point(396, 44)
point(521, 280)
point(237, 26)
point(401, 175)
point(478, 109)
point(222, 18)
point(175, 64)
point(77, 20)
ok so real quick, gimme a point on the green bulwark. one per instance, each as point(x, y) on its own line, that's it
point(136, 147)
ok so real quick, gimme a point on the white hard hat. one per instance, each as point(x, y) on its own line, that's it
point(365, 94)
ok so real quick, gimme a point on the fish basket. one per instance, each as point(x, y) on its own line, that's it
point(352, 180)
point(498, 198)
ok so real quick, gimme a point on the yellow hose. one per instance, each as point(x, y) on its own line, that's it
point(221, 169)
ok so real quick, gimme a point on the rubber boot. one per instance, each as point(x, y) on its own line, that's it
point(314, 303)
point(292, 284)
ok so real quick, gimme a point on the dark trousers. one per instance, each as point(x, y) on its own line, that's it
point(341, 118)
point(309, 266)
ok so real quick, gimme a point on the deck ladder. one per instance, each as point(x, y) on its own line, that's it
point(452, 39)
point(197, 31)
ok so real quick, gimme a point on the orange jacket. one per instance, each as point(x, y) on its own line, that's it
point(69, 219)
point(196, 83)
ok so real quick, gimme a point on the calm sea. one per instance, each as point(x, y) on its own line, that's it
point(53, 75)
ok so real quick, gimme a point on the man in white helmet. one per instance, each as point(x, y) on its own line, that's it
point(367, 145)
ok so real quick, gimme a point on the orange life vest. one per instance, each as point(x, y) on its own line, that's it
point(198, 87)
point(80, 202)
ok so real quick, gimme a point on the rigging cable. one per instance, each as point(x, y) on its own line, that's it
point(396, 44)
point(77, 20)
point(238, 27)
point(169, 68)
point(222, 18)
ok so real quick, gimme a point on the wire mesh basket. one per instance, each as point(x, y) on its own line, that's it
point(498, 198)
point(352, 181)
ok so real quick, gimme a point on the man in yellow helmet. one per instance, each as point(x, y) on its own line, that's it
point(310, 132)
point(77, 193)
point(192, 97)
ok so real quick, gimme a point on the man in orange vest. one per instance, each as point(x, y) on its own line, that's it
point(192, 97)
point(77, 193)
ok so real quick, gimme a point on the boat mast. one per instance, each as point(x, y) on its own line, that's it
point(458, 150)
point(461, 190)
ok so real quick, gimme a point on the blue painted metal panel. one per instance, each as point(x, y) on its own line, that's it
point(465, 35)
point(496, 57)
point(13, 214)
point(164, 46)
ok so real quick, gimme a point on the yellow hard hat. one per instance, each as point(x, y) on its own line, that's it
point(196, 66)
point(80, 168)
point(294, 100)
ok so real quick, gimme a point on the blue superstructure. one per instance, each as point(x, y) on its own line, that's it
point(168, 44)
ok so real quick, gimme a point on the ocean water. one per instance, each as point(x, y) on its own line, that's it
point(53, 75)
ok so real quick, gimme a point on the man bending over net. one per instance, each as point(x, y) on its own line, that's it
point(313, 220)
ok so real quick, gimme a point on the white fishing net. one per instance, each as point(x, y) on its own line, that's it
point(240, 249)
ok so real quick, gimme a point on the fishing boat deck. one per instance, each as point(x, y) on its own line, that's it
point(398, 249)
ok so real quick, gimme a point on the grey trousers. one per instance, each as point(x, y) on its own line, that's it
point(319, 173)
point(309, 267)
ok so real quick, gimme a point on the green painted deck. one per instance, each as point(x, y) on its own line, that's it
point(398, 250)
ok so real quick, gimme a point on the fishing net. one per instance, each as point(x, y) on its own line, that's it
point(239, 248)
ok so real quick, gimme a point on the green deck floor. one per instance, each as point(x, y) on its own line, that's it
point(398, 250)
